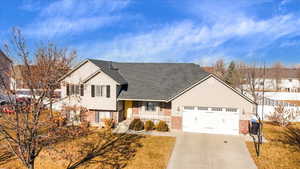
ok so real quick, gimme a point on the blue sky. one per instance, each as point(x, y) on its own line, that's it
point(199, 31)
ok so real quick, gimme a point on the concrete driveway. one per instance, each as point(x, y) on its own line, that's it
point(208, 151)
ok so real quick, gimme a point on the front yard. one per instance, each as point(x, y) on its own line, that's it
point(281, 152)
point(133, 152)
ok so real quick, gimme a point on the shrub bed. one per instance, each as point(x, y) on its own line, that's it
point(162, 126)
point(149, 125)
point(136, 125)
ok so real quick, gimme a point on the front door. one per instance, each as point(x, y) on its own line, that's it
point(128, 109)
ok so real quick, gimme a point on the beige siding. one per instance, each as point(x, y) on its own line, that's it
point(212, 93)
point(98, 103)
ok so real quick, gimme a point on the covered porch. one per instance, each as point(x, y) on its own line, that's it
point(146, 110)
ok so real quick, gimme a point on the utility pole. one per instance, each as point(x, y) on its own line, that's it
point(261, 119)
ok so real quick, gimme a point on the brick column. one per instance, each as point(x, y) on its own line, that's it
point(176, 122)
point(244, 126)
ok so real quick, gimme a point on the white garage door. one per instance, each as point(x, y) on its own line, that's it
point(211, 120)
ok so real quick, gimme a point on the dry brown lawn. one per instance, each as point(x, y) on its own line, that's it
point(296, 102)
point(153, 152)
point(278, 153)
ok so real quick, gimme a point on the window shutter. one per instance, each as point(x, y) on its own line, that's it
point(108, 91)
point(68, 90)
point(93, 90)
point(81, 90)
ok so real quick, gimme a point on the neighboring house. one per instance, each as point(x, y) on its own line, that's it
point(182, 94)
point(5, 68)
point(283, 80)
point(288, 80)
point(20, 87)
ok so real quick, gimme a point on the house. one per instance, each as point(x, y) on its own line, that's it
point(276, 80)
point(18, 85)
point(288, 80)
point(182, 94)
point(5, 67)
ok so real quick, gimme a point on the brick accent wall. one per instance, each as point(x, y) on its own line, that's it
point(176, 122)
point(244, 126)
point(166, 108)
point(90, 116)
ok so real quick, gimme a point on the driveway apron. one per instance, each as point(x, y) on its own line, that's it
point(208, 151)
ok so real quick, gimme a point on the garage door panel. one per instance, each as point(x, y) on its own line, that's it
point(215, 122)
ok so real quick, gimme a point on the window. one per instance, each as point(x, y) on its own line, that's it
point(102, 115)
point(100, 90)
point(216, 109)
point(202, 108)
point(105, 115)
point(231, 109)
point(188, 108)
point(72, 89)
point(150, 106)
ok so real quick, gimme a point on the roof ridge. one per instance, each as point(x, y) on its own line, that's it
point(142, 62)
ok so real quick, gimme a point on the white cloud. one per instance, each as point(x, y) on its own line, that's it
point(74, 16)
point(192, 41)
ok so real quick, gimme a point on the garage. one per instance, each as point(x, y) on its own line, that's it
point(212, 120)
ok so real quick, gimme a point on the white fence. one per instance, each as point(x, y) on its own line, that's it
point(269, 109)
point(282, 95)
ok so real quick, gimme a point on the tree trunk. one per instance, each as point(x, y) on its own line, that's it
point(31, 165)
point(51, 104)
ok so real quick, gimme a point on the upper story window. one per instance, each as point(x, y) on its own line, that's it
point(100, 91)
point(150, 106)
point(73, 89)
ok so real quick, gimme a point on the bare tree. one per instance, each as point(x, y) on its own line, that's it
point(283, 116)
point(254, 79)
point(26, 131)
point(277, 69)
point(60, 61)
point(219, 68)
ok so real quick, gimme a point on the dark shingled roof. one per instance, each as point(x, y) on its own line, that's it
point(152, 81)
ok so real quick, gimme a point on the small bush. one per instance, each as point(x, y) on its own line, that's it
point(149, 125)
point(136, 125)
point(162, 126)
point(109, 123)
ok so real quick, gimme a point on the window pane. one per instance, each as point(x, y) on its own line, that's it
point(189, 108)
point(216, 109)
point(202, 108)
point(150, 106)
point(98, 91)
point(231, 109)
point(72, 89)
point(77, 89)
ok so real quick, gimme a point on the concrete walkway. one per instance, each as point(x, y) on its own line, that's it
point(206, 151)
